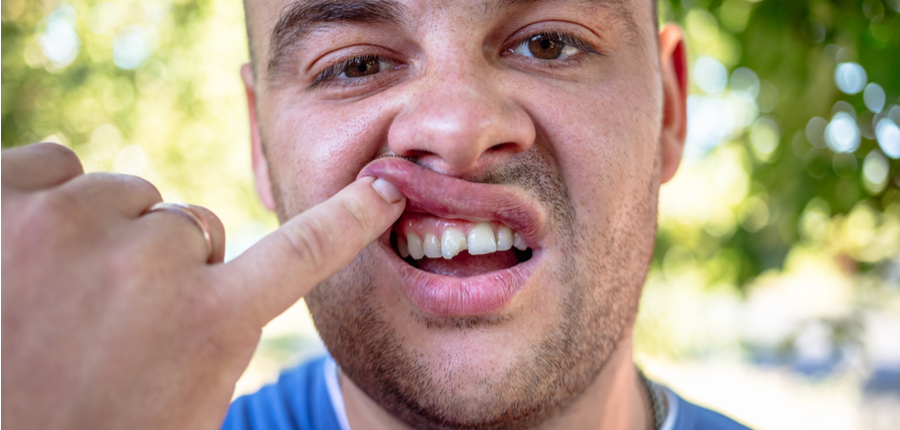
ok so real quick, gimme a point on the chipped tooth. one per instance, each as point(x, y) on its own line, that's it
point(432, 246)
point(402, 249)
point(453, 242)
point(414, 244)
point(519, 242)
point(481, 239)
point(504, 239)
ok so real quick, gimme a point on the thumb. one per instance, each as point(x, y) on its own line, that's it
point(282, 267)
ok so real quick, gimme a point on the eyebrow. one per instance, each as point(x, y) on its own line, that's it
point(301, 17)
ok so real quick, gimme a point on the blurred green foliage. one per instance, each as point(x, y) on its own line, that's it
point(801, 192)
point(144, 87)
point(152, 88)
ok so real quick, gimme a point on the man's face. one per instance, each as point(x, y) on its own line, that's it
point(544, 117)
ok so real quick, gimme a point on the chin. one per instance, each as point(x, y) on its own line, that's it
point(497, 336)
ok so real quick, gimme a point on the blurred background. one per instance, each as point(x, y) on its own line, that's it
point(774, 293)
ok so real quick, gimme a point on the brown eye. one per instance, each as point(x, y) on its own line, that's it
point(362, 66)
point(550, 46)
point(545, 48)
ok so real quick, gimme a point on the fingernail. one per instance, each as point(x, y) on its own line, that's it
point(387, 190)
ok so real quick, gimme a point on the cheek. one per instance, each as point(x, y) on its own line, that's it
point(316, 149)
point(604, 140)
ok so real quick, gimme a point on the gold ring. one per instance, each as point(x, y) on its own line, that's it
point(190, 213)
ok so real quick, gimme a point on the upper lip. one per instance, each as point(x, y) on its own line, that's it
point(448, 197)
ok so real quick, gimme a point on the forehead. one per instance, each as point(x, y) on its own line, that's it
point(274, 25)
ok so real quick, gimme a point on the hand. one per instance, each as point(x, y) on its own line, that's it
point(113, 318)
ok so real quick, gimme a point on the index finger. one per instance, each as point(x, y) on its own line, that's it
point(285, 265)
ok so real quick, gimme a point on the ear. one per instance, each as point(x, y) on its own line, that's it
point(260, 164)
point(673, 64)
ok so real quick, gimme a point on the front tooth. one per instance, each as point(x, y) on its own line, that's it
point(504, 239)
point(402, 249)
point(519, 242)
point(481, 239)
point(414, 244)
point(453, 242)
point(432, 246)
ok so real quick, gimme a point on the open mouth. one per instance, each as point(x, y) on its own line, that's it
point(457, 247)
point(463, 248)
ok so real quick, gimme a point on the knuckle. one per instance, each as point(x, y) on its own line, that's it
point(52, 210)
point(145, 186)
point(129, 182)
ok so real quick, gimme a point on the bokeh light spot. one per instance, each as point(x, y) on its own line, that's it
point(895, 4)
point(734, 14)
point(764, 137)
point(710, 75)
point(875, 172)
point(105, 142)
point(815, 131)
point(843, 106)
point(874, 97)
point(888, 134)
point(744, 81)
point(894, 114)
point(850, 77)
point(130, 47)
point(59, 41)
point(701, 25)
point(842, 133)
point(754, 214)
point(132, 160)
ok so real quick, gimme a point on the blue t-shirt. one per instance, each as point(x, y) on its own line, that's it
point(302, 400)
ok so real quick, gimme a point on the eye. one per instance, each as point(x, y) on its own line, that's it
point(356, 68)
point(548, 46)
point(364, 66)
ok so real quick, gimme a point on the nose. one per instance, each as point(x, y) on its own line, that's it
point(460, 121)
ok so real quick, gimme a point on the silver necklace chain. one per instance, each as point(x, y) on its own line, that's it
point(658, 402)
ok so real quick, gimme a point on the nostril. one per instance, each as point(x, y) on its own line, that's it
point(500, 147)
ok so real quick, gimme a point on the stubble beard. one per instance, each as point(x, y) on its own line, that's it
point(548, 375)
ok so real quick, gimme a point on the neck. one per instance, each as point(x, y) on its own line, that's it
point(614, 401)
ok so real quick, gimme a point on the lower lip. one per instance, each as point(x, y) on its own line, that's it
point(449, 296)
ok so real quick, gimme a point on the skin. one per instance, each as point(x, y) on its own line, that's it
point(589, 140)
point(114, 317)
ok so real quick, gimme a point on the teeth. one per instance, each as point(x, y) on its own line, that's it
point(414, 244)
point(504, 239)
point(453, 242)
point(432, 246)
point(519, 242)
point(402, 248)
point(481, 239)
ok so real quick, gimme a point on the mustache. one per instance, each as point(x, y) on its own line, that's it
point(531, 171)
point(528, 169)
